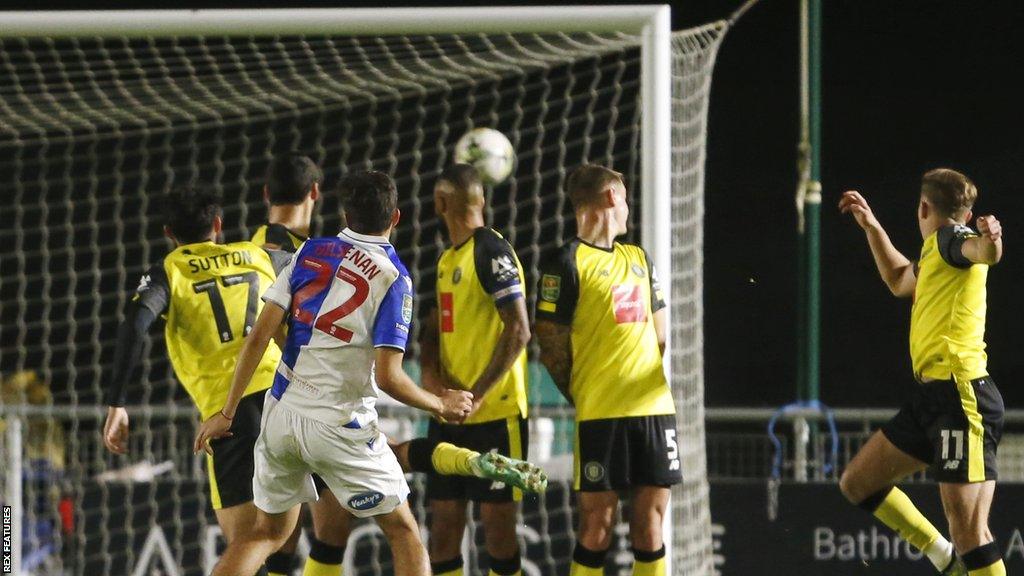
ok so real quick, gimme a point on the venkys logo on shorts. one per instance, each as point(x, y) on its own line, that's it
point(365, 501)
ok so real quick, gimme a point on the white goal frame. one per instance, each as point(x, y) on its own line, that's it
point(651, 23)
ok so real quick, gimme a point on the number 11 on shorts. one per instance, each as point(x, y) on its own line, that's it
point(958, 444)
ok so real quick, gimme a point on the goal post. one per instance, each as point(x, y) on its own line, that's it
point(610, 84)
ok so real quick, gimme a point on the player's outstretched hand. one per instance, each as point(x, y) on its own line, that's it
point(456, 405)
point(853, 203)
point(115, 430)
point(989, 227)
point(216, 426)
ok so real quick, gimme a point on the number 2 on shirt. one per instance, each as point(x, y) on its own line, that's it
point(325, 322)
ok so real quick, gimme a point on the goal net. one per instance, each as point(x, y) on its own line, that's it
point(94, 129)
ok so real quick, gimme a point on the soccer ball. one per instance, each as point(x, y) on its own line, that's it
point(489, 151)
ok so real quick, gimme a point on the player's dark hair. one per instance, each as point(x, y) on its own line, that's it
point(290, 178)
point(461, 176)
point(951, 192)
point(189, 213)
point(368, 199)
point(589, 180)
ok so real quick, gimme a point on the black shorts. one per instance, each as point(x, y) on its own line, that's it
point(509, 437)
point(621, 453)
point(230, 468)
point(953, 428)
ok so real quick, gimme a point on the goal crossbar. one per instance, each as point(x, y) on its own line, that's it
point(335, 21)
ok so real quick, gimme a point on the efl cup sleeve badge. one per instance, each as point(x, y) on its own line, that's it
point(406, 308)
point(550, 287)
point(638, 270)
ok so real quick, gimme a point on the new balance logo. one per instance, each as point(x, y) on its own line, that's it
point(497, 485)
point(951, 465)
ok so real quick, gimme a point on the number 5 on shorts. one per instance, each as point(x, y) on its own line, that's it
point(673, 449)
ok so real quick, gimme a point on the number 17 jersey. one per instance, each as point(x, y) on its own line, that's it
point(210, 296)
point(346, 296)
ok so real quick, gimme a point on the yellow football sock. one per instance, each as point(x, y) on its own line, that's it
point(578, 569)
point(897, 512)
point(324, 559)
point(451, 459)
point(507, 566)
point(997, 569)
point(649, 563)
point(586, 562)
point(317, 568)
point(451, 567)
point(279, 564)
point(656, 568)
point(985, 560)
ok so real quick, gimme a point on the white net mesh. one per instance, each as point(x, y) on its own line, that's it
point(693, 59)
point(93, 130)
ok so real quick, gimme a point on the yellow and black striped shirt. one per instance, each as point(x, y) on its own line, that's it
point(947, 322)
point(210, 296)
point(474, 279)
point(608, 297)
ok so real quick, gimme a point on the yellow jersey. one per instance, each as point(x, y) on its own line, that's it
point(474, 279)
point(210, 296)
point(608, 296)
point(278, 236)
point(947, 322)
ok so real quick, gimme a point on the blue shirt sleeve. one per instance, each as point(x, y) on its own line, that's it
point(391, 328)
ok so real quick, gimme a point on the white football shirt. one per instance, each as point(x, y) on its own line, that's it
point(346, 296)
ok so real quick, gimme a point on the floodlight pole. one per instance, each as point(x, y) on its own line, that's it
point(808, 200)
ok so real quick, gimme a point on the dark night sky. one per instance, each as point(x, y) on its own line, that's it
point(907, 86)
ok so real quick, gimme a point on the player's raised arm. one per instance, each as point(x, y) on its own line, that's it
point(896, 270)
point(988, 247)
point(255, 346)
point(151, 299)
